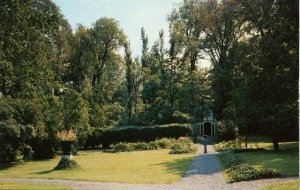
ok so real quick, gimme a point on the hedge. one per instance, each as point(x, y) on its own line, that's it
point(144, 133)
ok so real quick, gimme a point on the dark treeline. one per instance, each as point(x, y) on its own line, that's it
point(53, 78)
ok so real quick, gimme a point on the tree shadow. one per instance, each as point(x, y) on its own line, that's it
point(43, 172)
point(178, 166)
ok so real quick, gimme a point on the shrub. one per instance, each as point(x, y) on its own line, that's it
point(140, 146)
point(165, 142)
point(183, 146)
point(122, 147)
point(236, 169)
point(153, 145)
point(144, 134)
point(228, 145)
point(241, 172)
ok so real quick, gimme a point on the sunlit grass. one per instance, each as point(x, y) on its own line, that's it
point(290, 185)
point(286, 160)
point(155, 166)
point(9, 185)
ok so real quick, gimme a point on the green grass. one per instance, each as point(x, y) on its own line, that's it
point(23, 186)
point(155, 166)
point(291, 185)
point(286, 161)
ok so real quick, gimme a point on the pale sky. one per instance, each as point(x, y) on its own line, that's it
point(131, 14)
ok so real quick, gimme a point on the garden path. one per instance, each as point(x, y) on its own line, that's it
point(203, 174)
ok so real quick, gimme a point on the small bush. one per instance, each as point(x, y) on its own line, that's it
point(241, 172)
point(153, 145)
point(228, 145)
point(236, 169)
point(165, 143)
point(140, 146)
point(122, 147)
point(183, 146)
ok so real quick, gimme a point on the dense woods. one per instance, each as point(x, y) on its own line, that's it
point(53, 78)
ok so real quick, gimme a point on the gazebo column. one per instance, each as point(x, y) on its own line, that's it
point(211, 129)
point(214, 129)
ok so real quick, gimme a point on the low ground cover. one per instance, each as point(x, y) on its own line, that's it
point(24, 186)
point(154, 166)
point(290, 185)
point(236, 169)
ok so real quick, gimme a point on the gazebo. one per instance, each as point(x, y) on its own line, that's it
point(208, 125)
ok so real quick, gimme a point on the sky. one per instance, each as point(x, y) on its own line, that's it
point(131, 14)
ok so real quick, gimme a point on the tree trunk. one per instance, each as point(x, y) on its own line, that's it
point(275, 144)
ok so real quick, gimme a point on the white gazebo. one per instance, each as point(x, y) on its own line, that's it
point(208, 125)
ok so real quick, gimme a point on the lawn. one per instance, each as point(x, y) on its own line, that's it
point(291, 185)
point(23, 186)
point(155, 166)
point(286, 161)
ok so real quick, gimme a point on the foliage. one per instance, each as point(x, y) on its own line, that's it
point(165, 142)
point(53, 78)
point(183, 146)
point(236, 169)
point(146, 133)
point(66, 163)
point(225, 131)
point(228, 145)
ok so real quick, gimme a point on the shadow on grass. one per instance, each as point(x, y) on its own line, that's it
point(178, 166)
point(43, 172)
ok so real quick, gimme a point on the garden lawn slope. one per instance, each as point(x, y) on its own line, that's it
point(286, 160)
point(156, 166)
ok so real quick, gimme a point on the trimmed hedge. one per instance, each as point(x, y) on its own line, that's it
point(236, 169)
point(181, 146)
point(145, 133)
point(235, 146)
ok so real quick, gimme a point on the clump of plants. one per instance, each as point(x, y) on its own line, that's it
point(66, 163)
point(228, 145)
point(182, 146)
point(236, 169)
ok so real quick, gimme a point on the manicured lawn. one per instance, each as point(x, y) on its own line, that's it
point(155, 166)
point(23, 186)
point(291, 185)
point(286, 161)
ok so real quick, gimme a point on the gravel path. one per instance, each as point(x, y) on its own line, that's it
point(203, 174)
